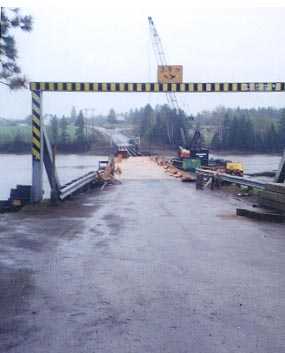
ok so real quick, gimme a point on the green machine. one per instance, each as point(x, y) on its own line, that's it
point(191, 164)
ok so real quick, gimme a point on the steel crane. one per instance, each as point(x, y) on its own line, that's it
point(171, 96)
point(161, 60)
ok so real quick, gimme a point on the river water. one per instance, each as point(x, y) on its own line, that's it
point(253, 163)
point(16, 169)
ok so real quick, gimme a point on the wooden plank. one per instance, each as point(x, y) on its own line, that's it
point(260, 216)
point(275, 187)
point(271, 204)
point(274, 196)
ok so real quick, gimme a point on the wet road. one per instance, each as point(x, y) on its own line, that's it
point(151, 265)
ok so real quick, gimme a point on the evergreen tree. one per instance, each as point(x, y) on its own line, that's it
point(80, 135)
point(181, 128)
point(10, 72)
point(73, 115)
point(245, 134)
point(281, 125)
point(162, 125)
point(147, 122)
point(216, 142)
point(63, 127)
point(259, 141)
point(248, 131)
point(112, 119)
point(226, 132)
point(233, 134)
point(54, 129)
point(272, 139)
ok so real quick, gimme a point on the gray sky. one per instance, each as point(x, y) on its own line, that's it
point(111, 42)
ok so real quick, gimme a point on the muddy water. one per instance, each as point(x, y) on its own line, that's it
point(253, 163)
point(16, 169)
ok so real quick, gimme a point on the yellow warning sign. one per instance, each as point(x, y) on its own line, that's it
point(170, 73)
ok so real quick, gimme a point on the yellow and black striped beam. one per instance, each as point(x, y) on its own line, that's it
point(187, 87)
point(36, 125)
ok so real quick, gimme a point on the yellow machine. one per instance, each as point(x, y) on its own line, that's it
point(234, 168)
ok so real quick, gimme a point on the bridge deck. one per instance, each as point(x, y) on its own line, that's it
point(151, 265)
point(142, 168)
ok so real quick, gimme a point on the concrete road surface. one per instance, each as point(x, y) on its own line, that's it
point(148, 266)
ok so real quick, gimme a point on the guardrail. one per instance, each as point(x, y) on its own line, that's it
point(77, 184)
point(257, 184)
point(129, 149)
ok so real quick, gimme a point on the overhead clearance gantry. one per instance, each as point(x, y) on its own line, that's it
point(41, 149)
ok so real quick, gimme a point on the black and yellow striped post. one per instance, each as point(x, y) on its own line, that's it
point(37, 150)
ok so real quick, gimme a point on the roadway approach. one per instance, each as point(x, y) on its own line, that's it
point(150, 265)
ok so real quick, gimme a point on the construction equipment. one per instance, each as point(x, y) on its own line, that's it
point(183, 153)
point(161, 60)
point(187, 157)
point(234, 168)
point(197, 148)
point(171, 96)
point(197, 140)
point(195, 152)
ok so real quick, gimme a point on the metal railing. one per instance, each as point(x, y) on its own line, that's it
point(76, 185)
point(257, 184)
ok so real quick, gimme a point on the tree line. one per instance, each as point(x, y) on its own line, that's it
point(228, 129)
point(234, 129)
point(250, 133)
point(69, 134)
point(161, 125)
point(72, 133)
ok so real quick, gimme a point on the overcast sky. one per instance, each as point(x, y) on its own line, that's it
point(111, 42)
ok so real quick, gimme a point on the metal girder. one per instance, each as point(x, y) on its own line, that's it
point(155, 87)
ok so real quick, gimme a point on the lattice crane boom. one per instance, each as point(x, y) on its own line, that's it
point(161, 60)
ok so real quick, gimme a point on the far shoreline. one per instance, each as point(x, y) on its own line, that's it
point(243, 153)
